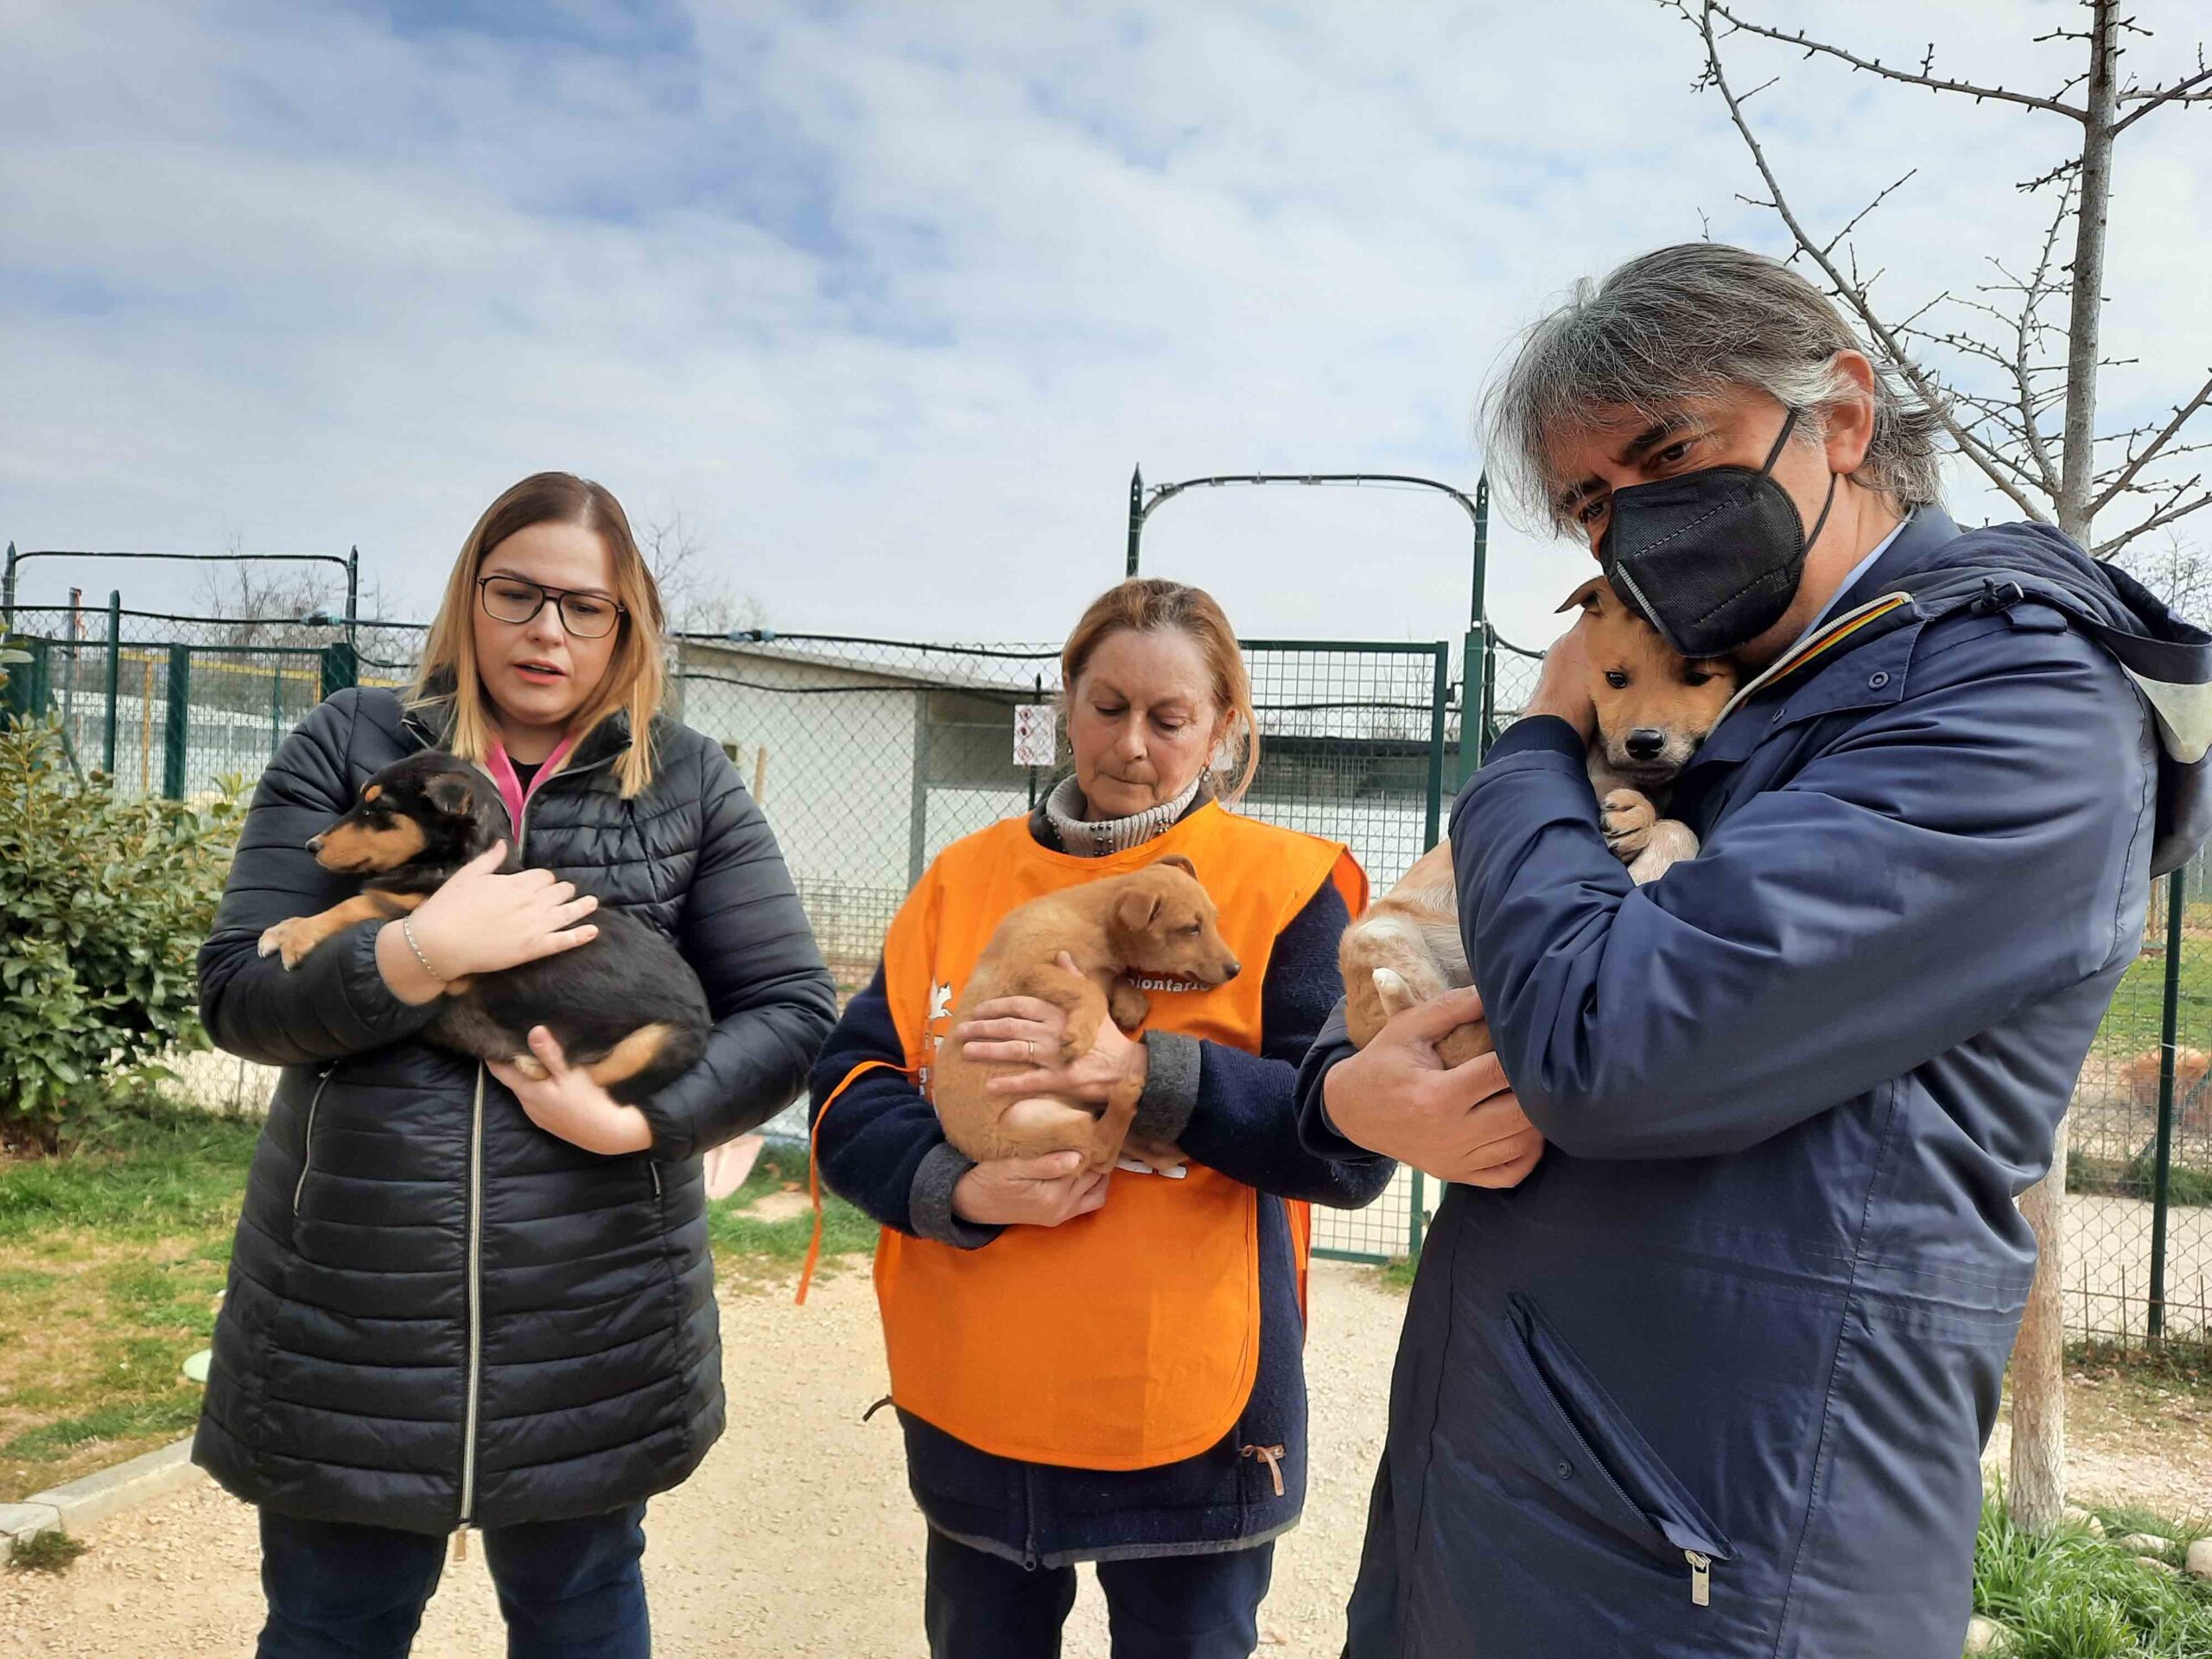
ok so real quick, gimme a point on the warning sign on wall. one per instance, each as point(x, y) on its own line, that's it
point(1033, 735)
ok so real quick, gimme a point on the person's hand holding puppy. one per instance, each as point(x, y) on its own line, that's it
point(1563, 684)
point(1029, 1031)
point(1459, 1123)
point(1029, 1191)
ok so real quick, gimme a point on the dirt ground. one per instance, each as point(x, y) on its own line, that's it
point(797, 1537)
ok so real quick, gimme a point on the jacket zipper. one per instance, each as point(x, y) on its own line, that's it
point(1699, 1563)
point(475, 1303)
point(307, 1141)
point(1798, 652)
point(476, 1247)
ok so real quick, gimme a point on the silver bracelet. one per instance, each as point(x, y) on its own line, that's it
point(407, 932)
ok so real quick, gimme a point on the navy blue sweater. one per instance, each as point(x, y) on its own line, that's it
point(882, 1148)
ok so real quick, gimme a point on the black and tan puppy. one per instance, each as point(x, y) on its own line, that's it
point(626, 1008)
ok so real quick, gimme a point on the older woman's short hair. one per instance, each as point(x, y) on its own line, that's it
point(1687, 321)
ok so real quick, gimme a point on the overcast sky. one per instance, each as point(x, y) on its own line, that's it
point(887, 300)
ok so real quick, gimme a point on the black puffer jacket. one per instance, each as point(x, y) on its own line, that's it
point(438, 1312)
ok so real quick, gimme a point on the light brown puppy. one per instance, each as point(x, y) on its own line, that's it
point(1654, 708)
point(1157, 920)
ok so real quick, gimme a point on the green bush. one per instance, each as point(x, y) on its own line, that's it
point(103, 904)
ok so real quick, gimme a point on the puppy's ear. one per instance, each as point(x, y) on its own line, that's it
point(1179, 862)
point(1591, 596)
point(1134, 910)
point(451, 794)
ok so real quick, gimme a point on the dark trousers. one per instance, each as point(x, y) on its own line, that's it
point(982, 1606)
point(568, 1589)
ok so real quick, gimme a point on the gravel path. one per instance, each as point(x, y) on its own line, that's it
point(796, 1537)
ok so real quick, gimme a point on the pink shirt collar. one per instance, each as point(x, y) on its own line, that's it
point(510, 785)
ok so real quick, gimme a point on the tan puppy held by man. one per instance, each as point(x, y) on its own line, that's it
point(1654, 709)
point(1158, 920)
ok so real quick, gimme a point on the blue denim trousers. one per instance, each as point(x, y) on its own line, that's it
point(568, 1589)
point(982, 1606)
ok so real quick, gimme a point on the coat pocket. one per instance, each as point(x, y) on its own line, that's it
point(307, 1138)
point(1665, 1517)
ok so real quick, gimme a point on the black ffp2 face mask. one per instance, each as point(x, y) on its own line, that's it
point(1713, 558)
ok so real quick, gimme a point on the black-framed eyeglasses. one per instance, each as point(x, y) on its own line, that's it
point(511, 599)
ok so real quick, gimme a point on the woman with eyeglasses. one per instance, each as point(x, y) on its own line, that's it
point(462, 1300)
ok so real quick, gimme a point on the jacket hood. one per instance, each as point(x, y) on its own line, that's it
point(2169, 660)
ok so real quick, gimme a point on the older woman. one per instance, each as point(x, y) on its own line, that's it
point(1106, 1368)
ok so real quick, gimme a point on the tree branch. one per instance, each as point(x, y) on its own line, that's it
point(2195, 89)
point(2150, 453)
point(1854, 295)
point(2157, 520)
point(1875, 67)
point(1852, 223)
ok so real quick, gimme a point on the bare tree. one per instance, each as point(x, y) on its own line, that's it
point(266, 604)
point(693, 595)
point(2016, 389)
point(270, 604)
point(2179, 572)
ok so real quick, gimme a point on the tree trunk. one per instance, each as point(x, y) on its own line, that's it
point(2036, 1495)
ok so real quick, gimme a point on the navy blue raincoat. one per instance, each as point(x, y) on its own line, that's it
point(1714, 1380)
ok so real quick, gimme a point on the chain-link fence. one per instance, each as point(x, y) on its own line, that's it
point(870, 756)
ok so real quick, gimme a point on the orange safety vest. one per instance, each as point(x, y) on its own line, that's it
point(1128, 1338)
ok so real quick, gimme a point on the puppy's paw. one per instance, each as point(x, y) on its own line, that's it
point(1626, 816)
point(1396, 994)
point(1160, 1157)
point(530, 1066)
point(1670, 841)
point(289, 940)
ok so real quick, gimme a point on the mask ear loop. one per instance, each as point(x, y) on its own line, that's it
point(1766, 466)
point(1820, 523)
point(1766, 470)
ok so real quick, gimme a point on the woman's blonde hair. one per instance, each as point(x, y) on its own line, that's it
point(1149, 605)
point(634, 674)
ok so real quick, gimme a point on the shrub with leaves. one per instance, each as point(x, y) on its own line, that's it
point(103, 904)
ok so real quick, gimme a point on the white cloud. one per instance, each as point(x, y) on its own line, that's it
point(890, 299)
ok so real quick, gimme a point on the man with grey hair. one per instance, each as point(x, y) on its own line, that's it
point(1712, 1380)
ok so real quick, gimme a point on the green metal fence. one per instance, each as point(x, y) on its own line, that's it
point(871, 755)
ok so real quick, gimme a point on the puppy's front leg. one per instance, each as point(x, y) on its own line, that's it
point(1670, 841)
point(1626, 817)
point(1128, 1005)
point(293, 937)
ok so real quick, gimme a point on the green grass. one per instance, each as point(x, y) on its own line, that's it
point(2135, 1177)
point(750, 1245)
point(2138, 1005)
point(47, 1552)
point(111, 1259)
point(2075, 1596)
point(154, 1174)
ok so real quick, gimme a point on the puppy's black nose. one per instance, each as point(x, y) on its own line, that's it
point(1646, 743)
point(314, 843)
point(1231, 969)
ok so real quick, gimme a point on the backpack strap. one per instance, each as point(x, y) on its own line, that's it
point(2170, 665)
